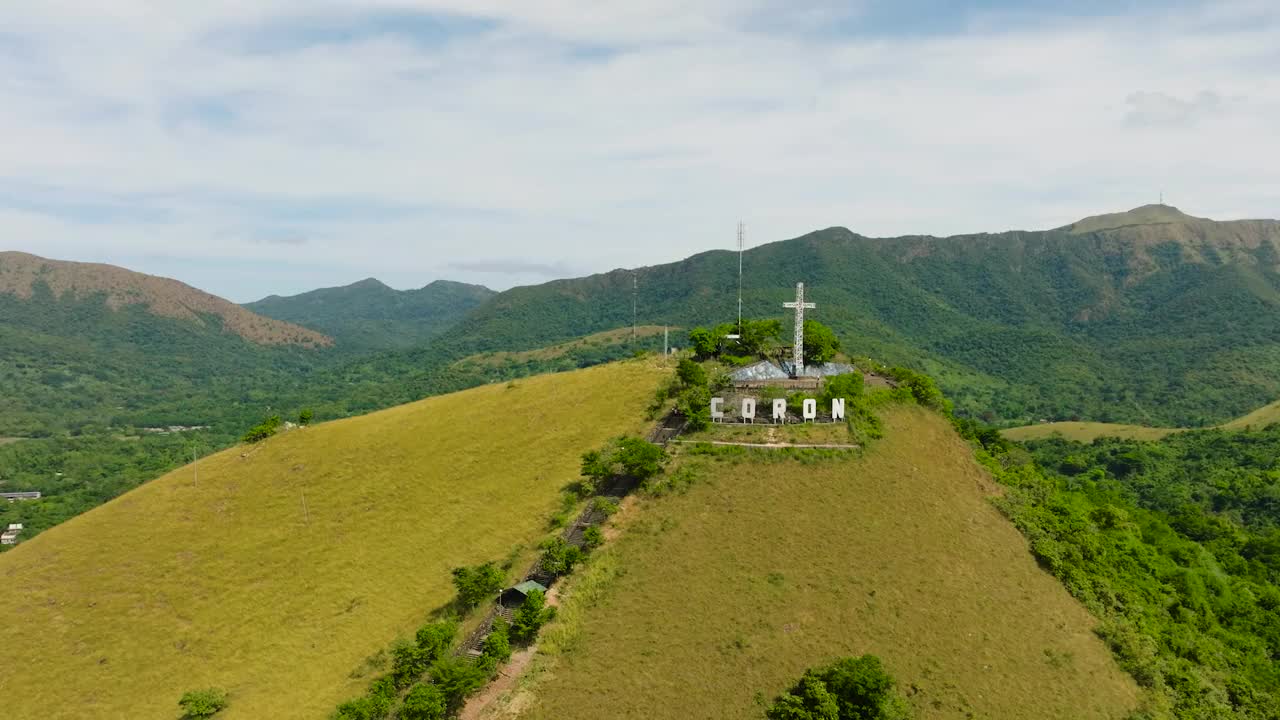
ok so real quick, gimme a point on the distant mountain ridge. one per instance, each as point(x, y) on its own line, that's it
point(1150, 316)
point(20, 273)
point(369, 315)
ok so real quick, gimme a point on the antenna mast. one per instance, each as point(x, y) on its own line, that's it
point(633, 306)
point(741, 231)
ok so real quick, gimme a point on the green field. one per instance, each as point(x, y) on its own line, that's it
point(1090, 431)
point(289, 563)
point(714, 600)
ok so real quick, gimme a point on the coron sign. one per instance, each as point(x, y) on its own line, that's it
point(747, 410)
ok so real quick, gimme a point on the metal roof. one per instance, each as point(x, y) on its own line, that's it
point(529, 586)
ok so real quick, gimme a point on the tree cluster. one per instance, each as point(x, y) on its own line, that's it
point(848, 689)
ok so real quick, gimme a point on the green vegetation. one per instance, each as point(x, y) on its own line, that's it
point(368, 315)
point(532, 614)
point(198, 704)
point(262, 430)
point(848, 689)
point(1174, 546)
point(325, 529)
point(477, 584)
point(746, 565)
point(820, 344)
point(424, 702)
point(629, 456)
point(1171, 324)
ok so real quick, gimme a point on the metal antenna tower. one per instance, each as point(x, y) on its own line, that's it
point(633, 306)
point(741, 233)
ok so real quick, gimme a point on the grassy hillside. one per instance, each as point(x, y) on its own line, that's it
point(368, 315)
point(290, 563)
point(1089, 431)
point(725, 594)
point(1150, 317)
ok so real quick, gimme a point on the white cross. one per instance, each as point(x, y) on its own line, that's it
point(797, 353)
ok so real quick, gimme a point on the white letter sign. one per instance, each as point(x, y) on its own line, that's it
point(837, 408)
point(716, 412)
point(749, 409)
point(779, 409)
point(810, 409)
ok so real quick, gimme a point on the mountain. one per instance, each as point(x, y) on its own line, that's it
point(1151, 316)
point(368, 315)
point(85, 345)
point(284, 571)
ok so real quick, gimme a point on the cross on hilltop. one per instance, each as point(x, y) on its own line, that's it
point(797, 351)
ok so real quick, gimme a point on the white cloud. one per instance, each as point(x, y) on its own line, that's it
point(605, 134)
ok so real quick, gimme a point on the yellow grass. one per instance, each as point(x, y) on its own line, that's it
point(1090, 431)
point(1086, 431)
point(767, 568)
point(177, 586)
point(1260, 418)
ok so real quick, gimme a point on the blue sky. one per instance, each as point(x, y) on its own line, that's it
point(274, 146)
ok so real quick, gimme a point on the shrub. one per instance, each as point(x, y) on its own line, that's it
point(262, 430)
point(848, 689)
point(593, 537)
point(434, 639)
point(530, 617)
point(424, 702)
point(456, 679)
point(695, 404)
point(305, 417)
point(559, 557)
point(202, 703)
point(408, 663)
point(691, 373)
point(475, 584)
point(498, 644)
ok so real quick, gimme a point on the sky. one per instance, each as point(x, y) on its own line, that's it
point(252, 147)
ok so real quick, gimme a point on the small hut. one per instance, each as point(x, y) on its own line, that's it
point(514, 596)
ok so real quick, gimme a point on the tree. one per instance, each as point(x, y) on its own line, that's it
point(820, 343)
point(847, 386)
point(408, 663)
point(848, 689)
point(304, 417)
point(695, 404)
point(475, 584)
point(435, 638)
point(808, 700)
point(690, 373)
point(639, 458)
point(559, 557)
point(424, 702)
point(202, 703)
point(498, 643)
point(456, 679)
point(704, 342)
point(756, 336)
point(592, 537)
point(532, 614)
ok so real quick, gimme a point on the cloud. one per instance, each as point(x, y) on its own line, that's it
point(422, 138)
point(1160, 109)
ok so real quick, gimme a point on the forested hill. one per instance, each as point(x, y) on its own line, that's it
point(368, 315)
point(1150, 316)
point(87, 347)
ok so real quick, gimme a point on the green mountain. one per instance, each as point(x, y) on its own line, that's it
point(368, 315)
point(1150, 316)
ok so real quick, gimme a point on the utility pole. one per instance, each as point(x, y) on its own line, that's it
point(666, 336)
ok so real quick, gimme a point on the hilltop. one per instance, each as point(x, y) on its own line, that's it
point(38, 279)
point(773, 562)
point(286, 565)
point(1151, 316)
point(368, 315)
